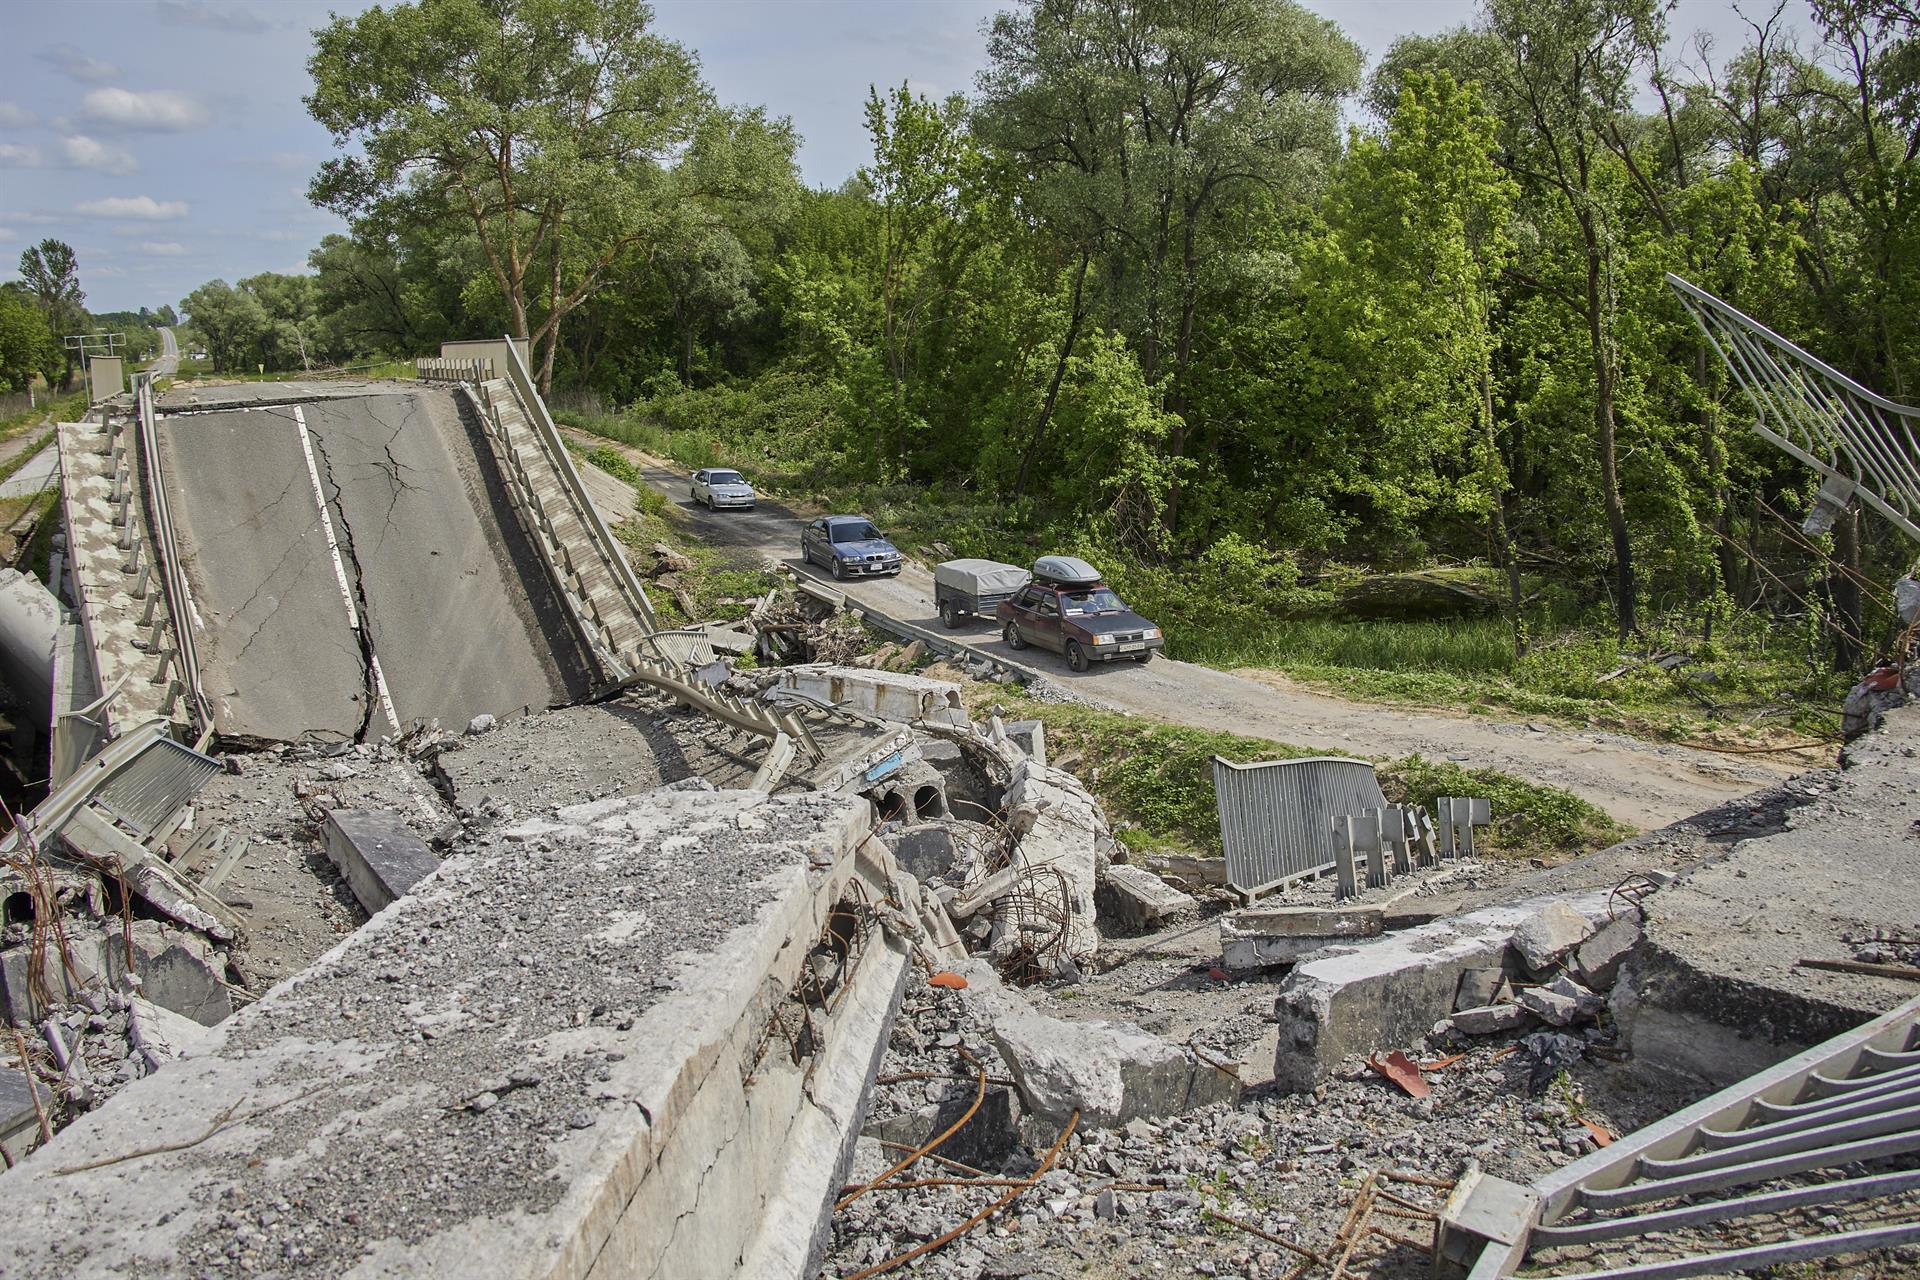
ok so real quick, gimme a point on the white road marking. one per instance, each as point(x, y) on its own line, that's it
point(340, 569)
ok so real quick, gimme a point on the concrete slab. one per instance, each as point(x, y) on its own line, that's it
point(380, 858)
point(1715, 990)
point(891, 695)
point(1134, 900)
point(416, 557)
point(545, 1061)
point(1389, 992)
point(19, 1118)
point(1262, 936)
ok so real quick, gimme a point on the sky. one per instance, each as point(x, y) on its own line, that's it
point(166, 139)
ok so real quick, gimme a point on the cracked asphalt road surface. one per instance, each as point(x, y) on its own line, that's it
point(1643, 784)
point(433, 591)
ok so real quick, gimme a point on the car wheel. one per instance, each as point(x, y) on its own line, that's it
point(1146, 657)
point(837, 569)
point(1076, 656)
point(949, 615)
point(1011, 634)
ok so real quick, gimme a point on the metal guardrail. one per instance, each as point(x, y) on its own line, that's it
point(549, 437)
point(1838, 1124)
point(166, 554)
point(441, 369)
point(1856, 438)
point(1276, 816)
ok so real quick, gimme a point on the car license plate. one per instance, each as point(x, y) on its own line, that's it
point(1135, 647)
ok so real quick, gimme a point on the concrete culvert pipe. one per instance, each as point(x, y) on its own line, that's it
point(29, 626)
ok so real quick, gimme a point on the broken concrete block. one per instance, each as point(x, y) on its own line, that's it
point(1489, 1019)
point(1479, 988)
point(177, 971)
point(159, 1034)
point(1549, 934)
point(1562, 1002)
point(86, 948)
point(1187, 869)
point(925, 851)
point(1031, 737)
point(377, 855)
point(889, 695)
point(19, 1119)
point(1596, 962)
point(1598, 959)
point(1060, 825)
point(1134, 900)
point(1109, 1072)
point(1390, 990)
point(1261, 936)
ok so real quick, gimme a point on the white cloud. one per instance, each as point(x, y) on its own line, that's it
point(196, 13)
point(75, 64)
point(8, 233)
point(82, 152)
point(110, 272)
point(19, 155)
point(15, 116)
point(158, 110)
point(163, 248)
point(140, 208)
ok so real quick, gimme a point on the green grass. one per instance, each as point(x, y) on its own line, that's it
point(1156, 780)
point(1754, 686)
point(65, 408)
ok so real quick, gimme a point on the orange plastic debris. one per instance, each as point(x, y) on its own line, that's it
point(951, 981)
point(1219, 975)
point(1441, 1064)
point(1403, 1071)
point(1601, 1134)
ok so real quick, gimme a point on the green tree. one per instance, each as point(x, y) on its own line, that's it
point(52, 275)
point(27, 347)
point(552, 129)
point(231, 321)
point(1173, 124)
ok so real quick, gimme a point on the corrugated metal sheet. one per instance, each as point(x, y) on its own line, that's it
point(1276, 815)
point(153, 786)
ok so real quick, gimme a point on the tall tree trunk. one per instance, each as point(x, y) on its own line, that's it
point(1843, 587)
point(1059, 372)
point(1497, 523)
point(1627, 606)
point(1182, 357)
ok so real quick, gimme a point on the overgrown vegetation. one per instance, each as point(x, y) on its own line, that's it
point(1156, 780)
point(1144, 298)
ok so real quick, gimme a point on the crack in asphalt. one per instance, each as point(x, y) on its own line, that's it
point(349, 557)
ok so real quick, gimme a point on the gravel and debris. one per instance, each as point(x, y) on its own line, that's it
point(1136, 1200)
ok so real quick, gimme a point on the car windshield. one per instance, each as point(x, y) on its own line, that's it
point(1098, 600)
point(854, 531)
point(724, 477)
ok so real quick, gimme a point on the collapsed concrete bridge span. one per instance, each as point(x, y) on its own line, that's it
point(354, 566)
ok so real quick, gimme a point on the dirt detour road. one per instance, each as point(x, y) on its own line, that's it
point(1640, 783)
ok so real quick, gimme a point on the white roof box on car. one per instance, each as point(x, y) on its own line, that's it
point(1068, 571)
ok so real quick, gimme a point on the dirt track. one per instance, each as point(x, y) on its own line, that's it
point(1640, 783)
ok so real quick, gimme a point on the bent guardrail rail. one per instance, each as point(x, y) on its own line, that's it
point(1836, 1125)
point(127, 588)
point(1276, 816)
point(1862, 442)
point(602, 594)
point(166, 553)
